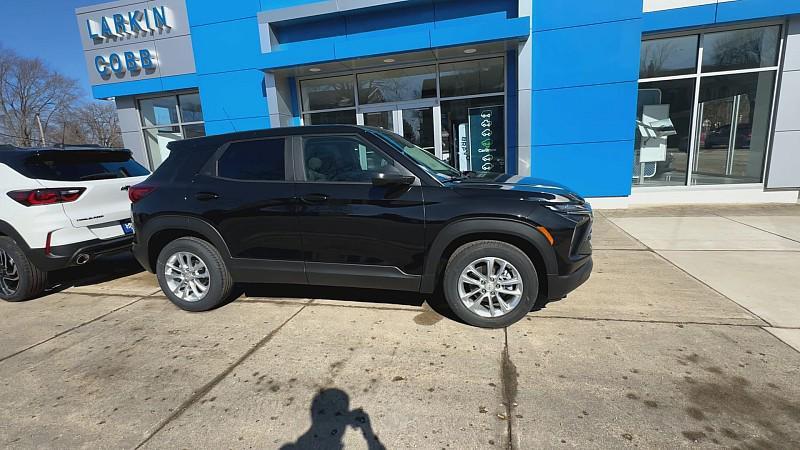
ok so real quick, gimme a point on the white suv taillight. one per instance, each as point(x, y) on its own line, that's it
point(37, 197)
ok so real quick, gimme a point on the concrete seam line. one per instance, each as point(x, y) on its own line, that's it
point(764, 329)
point(709, 286)
point(655, 252)
point(659, 322)
point(509, 378)
point(3, 359)
point(759, 229)
point(206, 388)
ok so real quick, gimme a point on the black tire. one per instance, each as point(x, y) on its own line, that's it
point(32, 280)
point(473, 251)
point(221, 282)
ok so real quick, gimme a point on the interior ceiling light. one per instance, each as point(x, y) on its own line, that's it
point(389, 60)
point(315, 69)
point(470, 51)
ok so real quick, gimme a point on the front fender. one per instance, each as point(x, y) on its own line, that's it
point(483, 226)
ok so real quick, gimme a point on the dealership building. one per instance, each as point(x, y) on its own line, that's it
point(625, 101)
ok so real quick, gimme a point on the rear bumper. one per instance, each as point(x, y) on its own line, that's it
point(64, 256)
point(561, 285)
point(141, 255)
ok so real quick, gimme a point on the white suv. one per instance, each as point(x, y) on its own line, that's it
point(60, 208)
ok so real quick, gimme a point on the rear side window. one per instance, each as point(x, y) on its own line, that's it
point(257, 160)
point(68, 165)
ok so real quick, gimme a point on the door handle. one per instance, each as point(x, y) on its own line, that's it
point(314, 198)
point(206, 196)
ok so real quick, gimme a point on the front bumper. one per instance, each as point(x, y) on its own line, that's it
point(64, 256)
point(561, 285)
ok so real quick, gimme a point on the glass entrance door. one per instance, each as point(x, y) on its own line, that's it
point(418, 122)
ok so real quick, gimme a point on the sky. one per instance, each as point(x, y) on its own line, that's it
point(47, 29)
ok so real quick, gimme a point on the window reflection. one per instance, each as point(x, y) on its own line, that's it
point(666, 57)
point(397, 85)
point(741, 49)
point(734, 125)
point(328, 93)
point(662, 160)
point(347, 117)
point(472, 77)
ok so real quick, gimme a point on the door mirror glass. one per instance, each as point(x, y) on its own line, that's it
point(392, 179)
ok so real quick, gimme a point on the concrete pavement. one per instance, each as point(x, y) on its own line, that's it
point(661, 348)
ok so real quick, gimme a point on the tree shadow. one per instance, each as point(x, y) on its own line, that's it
point(330, 418)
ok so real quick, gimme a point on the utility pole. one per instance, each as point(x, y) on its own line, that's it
point(41, 130)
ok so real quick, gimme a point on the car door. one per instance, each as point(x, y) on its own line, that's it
point(246, 192)
point(356, 233)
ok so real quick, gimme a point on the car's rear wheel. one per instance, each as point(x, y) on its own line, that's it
point(19, 278)
point(490, 284)
point(193, 275)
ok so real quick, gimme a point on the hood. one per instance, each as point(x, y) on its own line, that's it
point(532, 187)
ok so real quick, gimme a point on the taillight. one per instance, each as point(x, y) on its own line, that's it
point(140, 191)
point(52, 196)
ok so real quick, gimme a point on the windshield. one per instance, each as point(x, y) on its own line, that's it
point(431, 164)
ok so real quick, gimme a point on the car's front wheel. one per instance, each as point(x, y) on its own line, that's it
point(193, 275)
point(19, 278)
point(490, 284)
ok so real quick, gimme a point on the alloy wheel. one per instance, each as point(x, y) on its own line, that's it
point(9, 274)
point(187, 276)
point(490, 287)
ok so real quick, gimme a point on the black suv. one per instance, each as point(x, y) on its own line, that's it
point(357, 207)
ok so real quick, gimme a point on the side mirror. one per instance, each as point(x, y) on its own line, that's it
point(391, 179)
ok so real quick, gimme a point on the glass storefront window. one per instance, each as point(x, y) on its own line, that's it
point(157, 139)
point(328, 93)
point(460, 79)
point(159, 111)
point(169, 118)
point(191, 111)
point(667, 57)
point(397, 85)
point(466, 144)
point(346, 117)
point(734, 120)
point(194, 130)
point(720, 137)
point(663, 160)
point(741, 49)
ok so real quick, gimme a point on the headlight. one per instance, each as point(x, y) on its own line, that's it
point(569, 208)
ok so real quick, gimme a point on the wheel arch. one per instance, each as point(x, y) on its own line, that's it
point(7, 230)
point(162, 230)
point(519, 234)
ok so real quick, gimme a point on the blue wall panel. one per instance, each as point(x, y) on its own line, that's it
point(551, 14)
point(593, 54)
point(680, 18)
point(232, 45)
point(202, 12)
point(592, 170)
point(748, 9)
point(599, 113)
point(234, 125)
point(233, 95)
point(585, 76)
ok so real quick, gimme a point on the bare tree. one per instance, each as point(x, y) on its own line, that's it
point(27, 88)
point(101, 124)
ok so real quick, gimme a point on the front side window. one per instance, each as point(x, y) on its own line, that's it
point(257, 160)
point(429, 163)
point(344, 159)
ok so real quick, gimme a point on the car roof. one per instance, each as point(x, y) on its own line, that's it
point(219, 139)
point(10, 152)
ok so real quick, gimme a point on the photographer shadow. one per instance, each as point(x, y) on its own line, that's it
point(330, 417)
